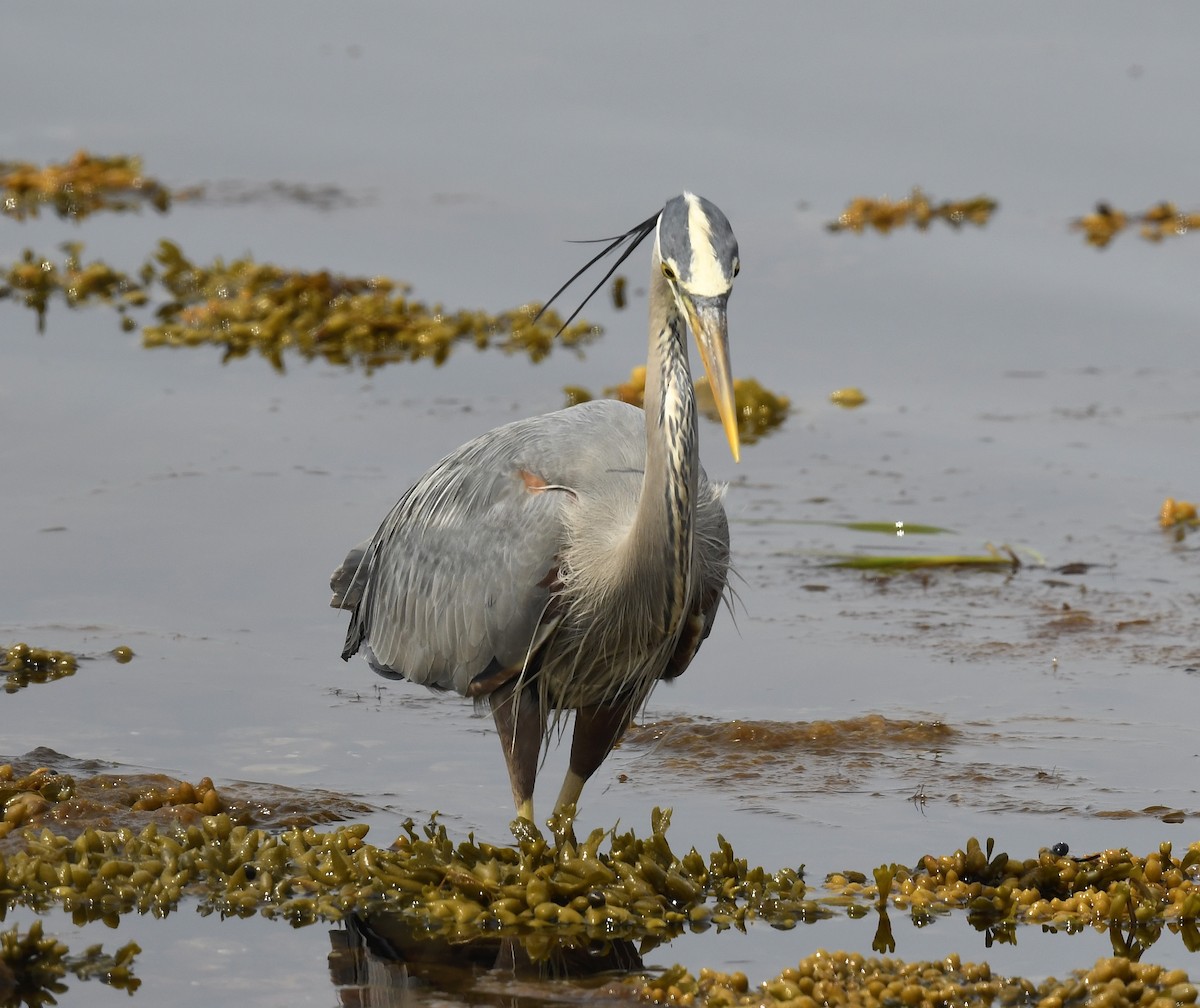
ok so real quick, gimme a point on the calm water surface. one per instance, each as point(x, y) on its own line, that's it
point(1024, 390)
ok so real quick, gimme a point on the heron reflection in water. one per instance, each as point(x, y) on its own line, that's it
point(570, 561)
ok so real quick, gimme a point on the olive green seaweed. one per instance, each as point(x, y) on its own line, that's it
point(758, 410)
point(23, 665)
point(553, 887)
point(245, 307)
point(1161, 221)
point(612, 884)
point(836, 979)
point(885, 215)
point(79, 187)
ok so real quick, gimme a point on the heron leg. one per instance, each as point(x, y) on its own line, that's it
point(597, 729)
point(521, 724)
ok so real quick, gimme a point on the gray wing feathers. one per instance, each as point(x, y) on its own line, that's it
point(460, 571)
point(447, 595)
point(456, 576)
point(712, 525)
point(348, 580)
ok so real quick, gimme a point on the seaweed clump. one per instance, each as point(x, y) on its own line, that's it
point(720, 741)
point(847, 398)
point(36, 279)
point(23, 665)
point(1132, 897)
point(610, 885)
point(758, 410)
point(247, 306)
point(885, 215)
point(1178, 516)
point(47, 791)
point(844, 978)
point(1161, 221)
point(44, 795)
point(549, 889)
point(79, 187)
point(250, 307)
point(638, 888)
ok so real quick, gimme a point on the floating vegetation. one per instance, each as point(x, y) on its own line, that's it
point(576, 394)
point(847, 398)
point(810, 762)
point(721, 741)
point(633, 390)
point(1163, 220)
point(33, 797)
point(1002, 558)
point(885, 215)
point(35, 280)
point(248, 307)
point(87, 184)
point(1175, 513)
point(619, 298)
point(611, 885)
point(33, 965)
point(758, 410)
point(24, 665)
point(809, 758)
point(84, 185)
point(1133, 897)
point(844, 978)
point(30, 796)
point(46, 789)
point(635, 889)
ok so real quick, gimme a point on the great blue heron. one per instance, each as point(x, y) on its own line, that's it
point(572, 560)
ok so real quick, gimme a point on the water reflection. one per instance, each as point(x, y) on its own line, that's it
point(382, 959)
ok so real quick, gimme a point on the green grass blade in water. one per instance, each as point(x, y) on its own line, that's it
point(994, 561)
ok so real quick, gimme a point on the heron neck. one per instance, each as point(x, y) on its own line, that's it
point(666, 509)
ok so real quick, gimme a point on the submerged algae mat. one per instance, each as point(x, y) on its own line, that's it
point(46, 789)
point(807, 758)
point(815, 756)
point(566, 900)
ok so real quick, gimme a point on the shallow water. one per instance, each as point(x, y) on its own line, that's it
point(1024, 390)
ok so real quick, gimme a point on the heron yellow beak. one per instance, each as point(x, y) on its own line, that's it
point(706, 316)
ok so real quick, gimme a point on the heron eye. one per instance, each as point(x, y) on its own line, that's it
point(668, 272)
point(737, 267)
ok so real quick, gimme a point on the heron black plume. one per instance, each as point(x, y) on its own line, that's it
point(634, 236)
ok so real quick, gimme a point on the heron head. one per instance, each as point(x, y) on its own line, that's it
point(698, 256)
